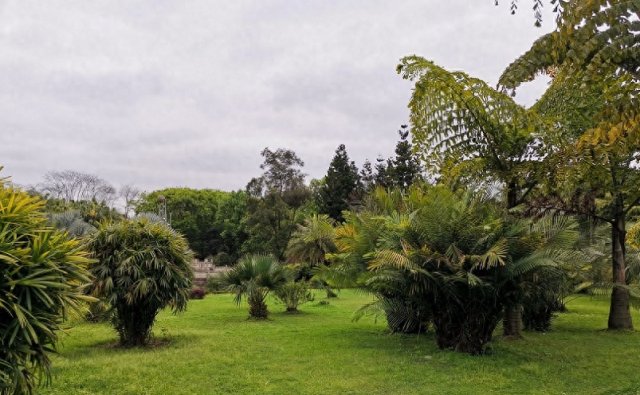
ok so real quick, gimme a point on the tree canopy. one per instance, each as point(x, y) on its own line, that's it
point(207, 218)
point(340, 185)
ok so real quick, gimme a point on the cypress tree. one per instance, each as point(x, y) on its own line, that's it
point(405, 168)
point(340, 187)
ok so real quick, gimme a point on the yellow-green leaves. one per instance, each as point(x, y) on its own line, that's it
point(43, 274)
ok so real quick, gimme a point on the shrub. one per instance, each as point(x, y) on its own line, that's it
point(254, 276)
point(43, 274)
point(197, 293)
point(98, 311)
point(143, 267)
point(454, 260)
point(541, 302)
point(292, 294)
point(215, 284)
point(223, 259)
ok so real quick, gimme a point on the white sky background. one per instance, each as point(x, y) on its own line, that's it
point(159, 93)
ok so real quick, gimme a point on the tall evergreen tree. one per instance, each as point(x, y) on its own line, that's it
point(367, 177)
point(340, 187)
point(382, 175)
point(404, 169)
point(275, 201)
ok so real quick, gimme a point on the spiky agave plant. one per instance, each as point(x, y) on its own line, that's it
point(253, 277)
point(43, 274)
point(143, 267)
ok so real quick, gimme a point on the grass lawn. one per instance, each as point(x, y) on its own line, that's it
point(214, 349)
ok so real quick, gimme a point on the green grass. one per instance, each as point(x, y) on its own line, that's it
point(214, 349)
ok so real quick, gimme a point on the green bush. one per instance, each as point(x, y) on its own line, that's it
point(223, 259)
point(216, 285)
point(42, 276)
point(143, 267)
point(292, 294)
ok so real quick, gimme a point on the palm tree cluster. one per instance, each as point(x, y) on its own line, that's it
point(452, 260)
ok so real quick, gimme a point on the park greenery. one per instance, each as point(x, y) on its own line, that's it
point(491, 218)
point(142, 267)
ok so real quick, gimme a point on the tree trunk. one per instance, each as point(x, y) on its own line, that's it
point(257, 306)
point(619, 312)
point(512, 323)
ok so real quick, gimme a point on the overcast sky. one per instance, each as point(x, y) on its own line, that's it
point(160, 93)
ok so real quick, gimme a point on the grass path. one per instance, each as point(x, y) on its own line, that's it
point(214, 349)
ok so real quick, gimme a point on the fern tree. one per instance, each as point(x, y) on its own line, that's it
point(43, 274)
point(594, 58)
point(143, 267)
point(468, 131)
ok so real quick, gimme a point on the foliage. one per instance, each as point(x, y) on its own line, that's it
point(99, 311)
point(312, 241)
point(210, 220)
point(277, 199)
point(537, 8)
point(215, 284)
point(197, 293)
point(405, 169)
point(142, 267)
point(472, 134)
point(455, 260)
point(400, 172)
point(72, 222)
point(593, 105)
point(253, 277)
point(367, 177)
point(42, 277)
point(230, 223)
point(543, 295)
point(292, 294)
point(633, 236)
point(467, 131)
point(591, 38)
point(340, 187)
point(91, 212)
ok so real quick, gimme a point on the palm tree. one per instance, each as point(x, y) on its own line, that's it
point(311, 244)
point(312, 241)
point(253, 277)
point(43, 274)
point(143, 267)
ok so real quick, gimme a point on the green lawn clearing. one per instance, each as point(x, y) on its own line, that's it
point(214, 349)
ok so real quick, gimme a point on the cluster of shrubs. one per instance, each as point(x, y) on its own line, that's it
point(454, 262)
